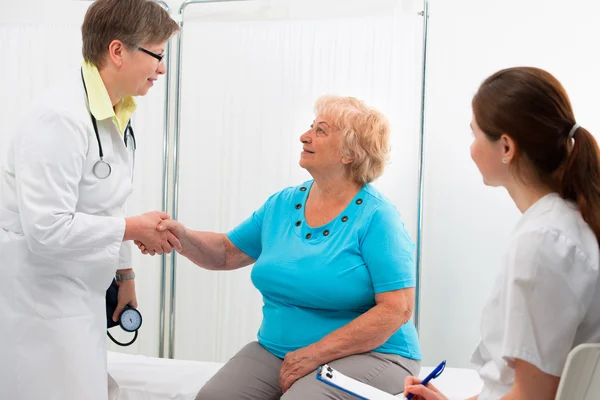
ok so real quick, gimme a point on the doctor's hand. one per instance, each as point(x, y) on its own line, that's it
point(142, 229)
point(420, 392)
point(126, 296)
point(297, 364)
point(172, 227)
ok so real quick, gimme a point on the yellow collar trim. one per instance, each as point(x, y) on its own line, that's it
point(99, 100)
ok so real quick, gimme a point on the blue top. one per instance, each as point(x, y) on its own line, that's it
point(316, 280)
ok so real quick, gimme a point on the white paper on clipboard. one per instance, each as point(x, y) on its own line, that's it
point(351, 386)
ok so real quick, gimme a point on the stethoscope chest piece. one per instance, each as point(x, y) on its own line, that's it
point(101, 169)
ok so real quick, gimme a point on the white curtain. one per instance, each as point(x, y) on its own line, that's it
point(467, 225)
point(41, 45)
point(251, 74)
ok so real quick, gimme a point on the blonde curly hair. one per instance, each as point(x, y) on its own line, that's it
point(365, 134)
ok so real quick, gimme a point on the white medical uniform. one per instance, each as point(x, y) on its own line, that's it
point(61, 232)
point(546, 300)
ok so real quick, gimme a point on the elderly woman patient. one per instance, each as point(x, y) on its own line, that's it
point(333, 263)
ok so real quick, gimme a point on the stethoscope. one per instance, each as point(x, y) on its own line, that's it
point(101, 168)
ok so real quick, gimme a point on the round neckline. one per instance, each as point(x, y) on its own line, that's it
point(331, 228)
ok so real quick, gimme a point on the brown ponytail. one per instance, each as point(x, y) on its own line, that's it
point(579, 178)
point(532, 107)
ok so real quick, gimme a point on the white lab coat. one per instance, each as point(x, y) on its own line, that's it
point(61, 232)
point(545, 300)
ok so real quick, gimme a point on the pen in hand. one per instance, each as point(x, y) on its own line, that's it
point(434, 374)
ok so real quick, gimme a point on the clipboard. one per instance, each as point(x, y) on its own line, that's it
point(351, 386)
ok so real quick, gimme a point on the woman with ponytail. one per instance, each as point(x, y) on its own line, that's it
point(547, 296)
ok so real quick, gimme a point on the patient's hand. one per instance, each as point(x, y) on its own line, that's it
point(297, 364)
point(420, 392)
point(173, 229)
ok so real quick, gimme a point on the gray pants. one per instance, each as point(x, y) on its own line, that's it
point(253, 374)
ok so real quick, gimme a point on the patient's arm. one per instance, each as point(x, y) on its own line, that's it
point(371, 329)
point(208, 250)
point(214, 251)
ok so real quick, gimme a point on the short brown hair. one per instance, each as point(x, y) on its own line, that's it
point(134, 22)
point(365, 134)
point(532, 107)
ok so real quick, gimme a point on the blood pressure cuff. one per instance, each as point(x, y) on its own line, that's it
point(112, 298)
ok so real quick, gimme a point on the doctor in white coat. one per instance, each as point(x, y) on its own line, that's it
point(545, 300)
point(63, 230)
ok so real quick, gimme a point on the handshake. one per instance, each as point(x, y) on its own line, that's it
point(155, 233)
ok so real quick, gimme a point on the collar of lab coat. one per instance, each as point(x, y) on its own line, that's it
point(99, 100)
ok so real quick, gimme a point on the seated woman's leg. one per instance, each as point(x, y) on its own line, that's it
point(251, 374)
point(383, 371)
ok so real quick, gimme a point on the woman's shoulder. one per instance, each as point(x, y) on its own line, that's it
point(290, 194)
point(558, 231)
point(378, 204)
point(381, 216)
point(550, 248)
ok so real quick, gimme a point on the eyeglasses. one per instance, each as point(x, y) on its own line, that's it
point(151, 54)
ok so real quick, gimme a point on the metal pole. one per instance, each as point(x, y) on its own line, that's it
point(174, 209)
point(188, 2)
point(165, 199)
point(421, 181)
point(164, 5)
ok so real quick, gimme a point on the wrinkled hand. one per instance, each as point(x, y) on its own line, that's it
point(126, 296)
point(154, 240)
point(420, 392)
point(296, 365)
point(173, 228)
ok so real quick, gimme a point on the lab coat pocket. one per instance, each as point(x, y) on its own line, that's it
point(60, 296)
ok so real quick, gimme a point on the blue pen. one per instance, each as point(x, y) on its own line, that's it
point(434, 374)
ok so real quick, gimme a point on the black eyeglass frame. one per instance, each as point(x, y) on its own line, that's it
point(151, 54)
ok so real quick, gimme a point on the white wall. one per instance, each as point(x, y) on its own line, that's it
point(467, 224)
